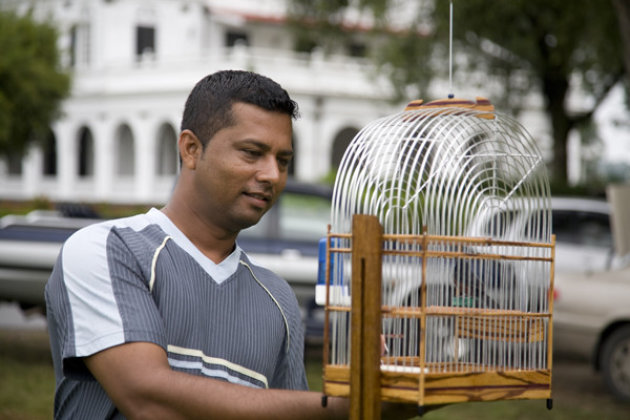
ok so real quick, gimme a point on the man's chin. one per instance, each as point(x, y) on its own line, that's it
point(248, 221)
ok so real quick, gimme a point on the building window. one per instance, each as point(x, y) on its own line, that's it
point(80, 45)
point(125, 152)
point(14, 163)
point(167, 151)
point(49, 152)
point(86, 153)
point(73, 45)
point(145, 42)
point(340, 144)
point(233, 38)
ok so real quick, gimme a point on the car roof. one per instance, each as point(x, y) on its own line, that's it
point(299, 187)
point(580, 204)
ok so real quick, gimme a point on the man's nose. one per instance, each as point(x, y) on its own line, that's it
point(269, 170)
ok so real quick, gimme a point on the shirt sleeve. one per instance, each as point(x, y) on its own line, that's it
point(107, 296)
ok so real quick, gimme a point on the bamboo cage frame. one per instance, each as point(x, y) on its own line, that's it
point(367, 383)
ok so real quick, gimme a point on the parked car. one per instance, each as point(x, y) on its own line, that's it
point(592, 320)
point(591, 314)
point(29, 246)
point(591, 294)
point(285, 241)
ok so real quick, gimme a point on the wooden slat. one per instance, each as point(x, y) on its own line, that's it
point(365, 356)
point(470, 240)
point(465, 255)
point(423, 321)
point(513, 330)
point(441, 388)
point(416, 311)
point(550, 297)
point(460, 395)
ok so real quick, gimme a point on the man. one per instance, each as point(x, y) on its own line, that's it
point(162, 315)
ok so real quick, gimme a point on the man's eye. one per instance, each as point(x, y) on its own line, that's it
point(284, 162)
point(252, 152)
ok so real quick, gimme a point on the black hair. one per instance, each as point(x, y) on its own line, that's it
point(208, 108)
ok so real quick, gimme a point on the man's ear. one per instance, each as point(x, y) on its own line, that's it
point(190, 149)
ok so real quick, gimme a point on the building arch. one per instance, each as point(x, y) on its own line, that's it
point(125, 151)
point(85, 155)
point(340, 144)
point(49, 154)
point(167, 156)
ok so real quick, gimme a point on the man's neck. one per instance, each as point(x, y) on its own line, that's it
point(214, 244)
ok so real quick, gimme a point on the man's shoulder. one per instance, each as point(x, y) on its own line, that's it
point(98, 233)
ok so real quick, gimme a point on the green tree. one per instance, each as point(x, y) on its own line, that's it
point(32, 84)
point(555, 46)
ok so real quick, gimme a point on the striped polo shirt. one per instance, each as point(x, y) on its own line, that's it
point(141, 279)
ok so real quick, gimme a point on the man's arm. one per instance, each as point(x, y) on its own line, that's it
point(138, 379)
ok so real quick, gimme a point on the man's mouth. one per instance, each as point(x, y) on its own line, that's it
point(259, 196)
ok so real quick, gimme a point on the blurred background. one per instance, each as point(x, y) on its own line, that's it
point(91, 96)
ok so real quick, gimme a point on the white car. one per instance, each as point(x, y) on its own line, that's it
point(592, 291)
point(591, 313)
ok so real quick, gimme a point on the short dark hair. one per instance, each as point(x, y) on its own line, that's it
point(208, 108)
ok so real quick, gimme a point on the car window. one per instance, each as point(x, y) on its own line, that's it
point(303, 217)
point(582, 228)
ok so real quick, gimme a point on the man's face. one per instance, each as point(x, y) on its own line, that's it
point(244, 168)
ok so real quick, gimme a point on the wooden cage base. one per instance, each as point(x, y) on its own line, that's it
point(443, 388)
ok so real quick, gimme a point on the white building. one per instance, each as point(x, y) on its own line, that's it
point(134, 63)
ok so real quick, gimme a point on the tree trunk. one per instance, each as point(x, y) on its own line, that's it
point(555, 89)
point(623, 15)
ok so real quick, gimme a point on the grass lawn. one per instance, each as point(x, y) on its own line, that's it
point(27, 381)
point(27, 385)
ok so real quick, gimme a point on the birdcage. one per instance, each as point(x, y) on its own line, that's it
point(439, 261)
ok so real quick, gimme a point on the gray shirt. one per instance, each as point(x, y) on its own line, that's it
point(141, 279)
